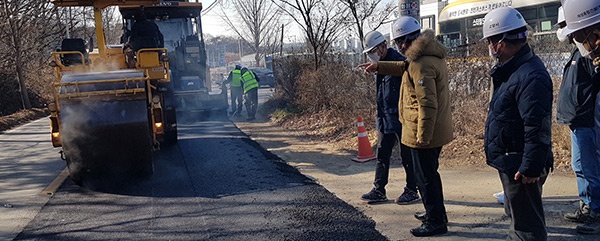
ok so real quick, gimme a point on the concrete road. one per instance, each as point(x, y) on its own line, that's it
point(28, 164)
point(216, 184)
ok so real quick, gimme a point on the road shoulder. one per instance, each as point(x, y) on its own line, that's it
point(473, 212)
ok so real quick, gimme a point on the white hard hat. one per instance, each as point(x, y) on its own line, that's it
point(372, 39)
point(560, 32)
point(502, 20)
point(580, 14)
point(561, 15)
point(404, 26)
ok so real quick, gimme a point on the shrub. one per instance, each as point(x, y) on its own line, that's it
point(330, 98)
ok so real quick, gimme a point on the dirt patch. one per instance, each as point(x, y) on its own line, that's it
point(21, 117)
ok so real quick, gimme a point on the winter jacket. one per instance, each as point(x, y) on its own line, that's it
point(519, 122)
point(388, 93)
point(249, 81)
point(575, 106)
point(235, 78)
point(596, 78)
point(145, 34)
point(424, 94)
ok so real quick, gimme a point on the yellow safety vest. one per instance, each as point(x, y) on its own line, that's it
point(249, 80)
point(236, 78)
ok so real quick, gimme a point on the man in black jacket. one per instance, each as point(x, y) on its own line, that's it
point(575, 108)
point(145, 34)
point(583, 25)
point(388, 125)
point(518, 126)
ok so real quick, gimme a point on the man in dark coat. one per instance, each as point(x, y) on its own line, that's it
point(145, 34)
point(519, 123)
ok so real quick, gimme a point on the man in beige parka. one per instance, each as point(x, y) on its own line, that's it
point(424, 112)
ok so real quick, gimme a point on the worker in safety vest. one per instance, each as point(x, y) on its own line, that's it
point(235, 85)
point(250, 84)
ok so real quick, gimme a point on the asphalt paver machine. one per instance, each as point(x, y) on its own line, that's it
point(180, 24)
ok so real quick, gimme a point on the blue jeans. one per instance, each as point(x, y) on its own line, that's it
point(590, 164)
point(582, 150)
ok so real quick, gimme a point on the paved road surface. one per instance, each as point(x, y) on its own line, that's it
point(216, 184)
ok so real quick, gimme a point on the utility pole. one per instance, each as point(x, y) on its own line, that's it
point(281, 42)
point(410, 8)
point(240, 49)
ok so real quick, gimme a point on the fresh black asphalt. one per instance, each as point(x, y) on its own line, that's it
point(215, 184)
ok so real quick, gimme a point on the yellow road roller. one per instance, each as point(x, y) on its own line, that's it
point(111, 105)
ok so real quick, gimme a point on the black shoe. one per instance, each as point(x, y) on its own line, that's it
point(374, 196)
point(427, 229)
point(407, 197)
point(581, 215)
point(421, 216)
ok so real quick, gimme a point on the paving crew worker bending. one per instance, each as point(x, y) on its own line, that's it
point(388, 125)
point(250, 84)
point(517, 138)
point(235, 85)
point(425, 114)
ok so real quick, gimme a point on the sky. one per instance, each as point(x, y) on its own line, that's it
point(211, 22)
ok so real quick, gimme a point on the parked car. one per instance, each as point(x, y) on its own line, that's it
point(265, 76)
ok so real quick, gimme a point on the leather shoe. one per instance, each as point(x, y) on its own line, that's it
point(427, 229)
point(421, 216)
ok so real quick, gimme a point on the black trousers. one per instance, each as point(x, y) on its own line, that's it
point(385, 146)
point(236, 98)
point(523, 202)
point(251, 101)
point(426, 163)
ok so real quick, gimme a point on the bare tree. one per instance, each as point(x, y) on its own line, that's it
point(25, 29)
point(321, 21)
point(113, 24)
point(258, 24)
point(372, 13)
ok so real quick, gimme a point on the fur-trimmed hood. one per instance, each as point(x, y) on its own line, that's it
point(425, 45)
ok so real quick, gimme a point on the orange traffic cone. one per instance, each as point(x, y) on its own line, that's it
point(365, 151)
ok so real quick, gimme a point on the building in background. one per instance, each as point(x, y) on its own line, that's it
point(460, 21)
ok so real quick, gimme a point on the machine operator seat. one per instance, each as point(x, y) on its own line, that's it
point(73, 44)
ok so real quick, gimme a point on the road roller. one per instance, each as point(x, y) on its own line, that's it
point(112, 106)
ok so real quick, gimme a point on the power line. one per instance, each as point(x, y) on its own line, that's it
point(210, 7)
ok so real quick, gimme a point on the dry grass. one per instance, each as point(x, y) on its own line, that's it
point(329, 100)
point(21, 117)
